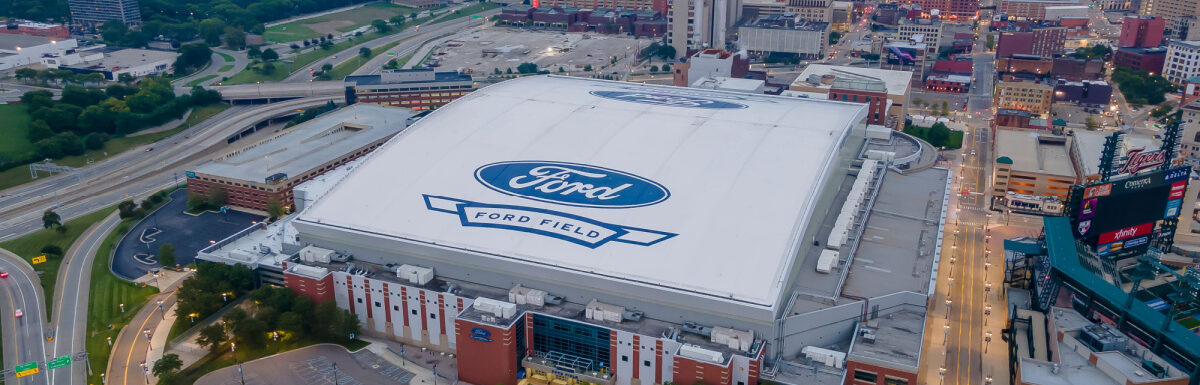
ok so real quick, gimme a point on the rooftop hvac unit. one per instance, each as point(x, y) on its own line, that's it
point(835, 240)
point(881, 155)
point(699, 353)
point(733, 338)
point(600, 311)
point(315, 254)
point(494, 307)
point(827, 261)
point(415, 274)
point(869, 338)
point(525, 296)
point(826, 357)
point(310, 271)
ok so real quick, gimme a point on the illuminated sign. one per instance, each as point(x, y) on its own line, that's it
point(1097, 191)
point(1126, 233)
point(1139, 159)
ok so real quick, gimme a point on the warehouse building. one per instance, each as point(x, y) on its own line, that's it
point(132, 61)
point(256, 174)
point(607, 260)
point(784, 34)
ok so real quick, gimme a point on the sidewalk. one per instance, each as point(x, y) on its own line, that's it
point(158, 338)
point(390, 351)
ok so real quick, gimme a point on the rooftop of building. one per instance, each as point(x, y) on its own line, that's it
point(868, 85)
point(299, 149)
point(1036, 152)
point(794, 23)
point(655, 137)
point(1012, 112)
point(897, 338)
point(13, 42)
point(954, 66)
point(1072, 364)
point(127, 58)
point(953, 78)
point(1042, 1)
point(897, 81)
point(1192, 44)
point(1090, 144)
point(1144, 50)
point(376, 79)
point(728, 84)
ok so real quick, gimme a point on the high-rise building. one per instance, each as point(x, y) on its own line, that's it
point(950, 9)
point(1179, 17)
point(89, 13)
point(700, 24)
point(1182, 62)
point(811, 10)
point(1141, 31)
point(1031, 9)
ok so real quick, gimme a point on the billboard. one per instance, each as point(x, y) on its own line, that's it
point(1120, 215)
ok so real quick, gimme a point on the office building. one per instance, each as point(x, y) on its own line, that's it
point(701, 24)
point(820, 79)
point(1182, 62)
point(1031, 9)
point(1150, 60)
point(88, 14)
point(783, 34)
point(1024, 94)
point(1141, 32)
point(418, 88)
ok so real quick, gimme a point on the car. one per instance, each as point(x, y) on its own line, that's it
point(3, 274)
point(148, 149)
point(19, 314)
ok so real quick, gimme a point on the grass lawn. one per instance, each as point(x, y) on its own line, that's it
point(225, 56)
point(225, 68)
point(954, 141)
point(108, 292)
point(248, 75)
point(344, 21)
point(20, 175)
point(224, 357)
point(468, 10)
point(344, 69)
point(30, 246)
point(202, 79)
point(14, 131)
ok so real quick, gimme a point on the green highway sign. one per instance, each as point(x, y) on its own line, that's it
point(26, 369)
point(59, 362)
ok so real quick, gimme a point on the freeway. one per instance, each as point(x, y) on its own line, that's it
point(71, 300)
point(24, 336)
point(131, 174)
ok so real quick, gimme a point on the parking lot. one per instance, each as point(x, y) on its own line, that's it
point(318, 364)
point(502, 47)
point(135, 253)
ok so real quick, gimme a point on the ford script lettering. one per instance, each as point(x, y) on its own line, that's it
point(571, 184)
point(663, 99)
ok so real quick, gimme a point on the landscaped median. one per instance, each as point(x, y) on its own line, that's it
point(48, 246)
point(105, 318)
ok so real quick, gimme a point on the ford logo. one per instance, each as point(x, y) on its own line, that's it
point(481, 334)
point(663, 99)
point(571, 184)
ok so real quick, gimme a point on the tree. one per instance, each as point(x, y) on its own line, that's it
point(26, 74)
point(211, 30)
point(196, 201)
point(527, 68)
point(496, 71)
point(50, 219)
point(114, 33)
point(254, 52)
point(344, 324)
point(125, 77)
point(397, 20)
point(125, 209)
point(991, 41)
point(291, 322)
point(939, 134)
point(326, 45)
point(326, 67)
point(253, 332)
point(211, 336)
point(667, 67)
point(52, 250)
point(167, 365)
point(275, 208)
point(270, 55)
point(235, 38)
point(364, 52)
point(508, 71)
point(1091, 123)
point(381, 26)
point(233, 318)
point(192, 57)
point(94, 141)
point(216, 197)
point(166, 255)
point(653, 68)
point(39, 130)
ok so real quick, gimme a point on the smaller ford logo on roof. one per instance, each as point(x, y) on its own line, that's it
point(571, 184)
point(666, 99)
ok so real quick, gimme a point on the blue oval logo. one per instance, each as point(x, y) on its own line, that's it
point(481, 334)
point(571, 184)
point(663, 99)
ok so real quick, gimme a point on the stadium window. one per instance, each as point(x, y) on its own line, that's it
point(889, 380)
point(360, 300)
point(432, 316)
point(414, 311)
point(624, 358)
point(377, 304)
point(646, 363)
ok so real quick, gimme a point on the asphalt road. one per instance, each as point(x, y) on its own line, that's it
point(131, 174)
point(969, 290)
point(24, 336)
point(71, 300)
point(132, 344)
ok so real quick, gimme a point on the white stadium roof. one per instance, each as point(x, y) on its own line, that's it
point(692, 190)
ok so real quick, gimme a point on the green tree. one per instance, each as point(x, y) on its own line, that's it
point(653, 68)
point(344, 324)
point(211, 336)
point(192, 57)
point(291, 322)
point(51, 219)
point(275, 208)
point(270, 55)
point(211, 30)
point(527, 68)
point(125, 209)
point(235, 38)
point(26, 74)
point(587, 68)
point(39, 130)
point(397, 20)
point(1091, 123)
point(991, 41)
point(216, 197)
point(166, 255)
point(364, 52)
point(196, 201)
point(252, 332)
point(125, 77)
point(234, 318)
point(326, 45)
point(667, 67)
point(167, 365)
point(52, 250)
point(381, 26)
point(94, 141)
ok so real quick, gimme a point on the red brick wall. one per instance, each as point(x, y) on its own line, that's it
point(315, 289)
point(876, 113)
point(880, 373)
point(486, 362)
point(414, 98)
point(241, 196)
point(687, 371)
